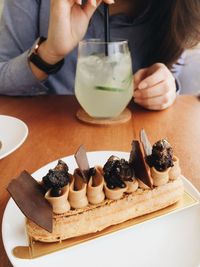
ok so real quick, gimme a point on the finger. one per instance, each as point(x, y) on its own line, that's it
point(157, 90)
point(95, 3)
point(161, 106)
point(139, 76)
point(109, 1)
point(158, 76)
point(154, 101)
point(90, 7)
point(157, 107)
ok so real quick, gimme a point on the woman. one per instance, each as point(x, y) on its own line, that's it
point(158, 33)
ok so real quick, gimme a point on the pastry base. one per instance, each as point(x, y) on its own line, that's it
point(94, 218)
point(37, 249)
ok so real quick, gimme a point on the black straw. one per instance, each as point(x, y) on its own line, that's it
point(106, 27)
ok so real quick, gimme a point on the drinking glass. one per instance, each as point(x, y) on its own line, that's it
point(104, 79)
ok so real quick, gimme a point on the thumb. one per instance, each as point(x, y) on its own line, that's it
point(139, 76)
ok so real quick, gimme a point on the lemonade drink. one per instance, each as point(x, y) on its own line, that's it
point(104, 84)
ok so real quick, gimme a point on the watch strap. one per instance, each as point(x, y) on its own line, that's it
point(40, 63)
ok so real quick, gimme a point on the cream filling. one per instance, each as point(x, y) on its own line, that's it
point(78, 194)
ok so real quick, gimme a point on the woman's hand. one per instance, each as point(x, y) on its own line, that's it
point(155, 87)
point(67, 26)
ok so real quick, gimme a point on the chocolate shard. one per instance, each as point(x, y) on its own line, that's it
point(139, 165)
point(82, 162)
point(146, 143)
point(28, 194)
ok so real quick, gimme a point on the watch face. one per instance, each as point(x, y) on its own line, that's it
point(30, 52)
point(34, 47)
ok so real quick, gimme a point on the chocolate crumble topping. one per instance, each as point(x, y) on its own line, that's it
point(117, 171)
point(162, 155)
point(56, 178)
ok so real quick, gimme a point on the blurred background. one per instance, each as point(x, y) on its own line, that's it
point(190, 76)
point(1, 4)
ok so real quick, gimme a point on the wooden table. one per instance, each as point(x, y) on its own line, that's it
point(54, 132)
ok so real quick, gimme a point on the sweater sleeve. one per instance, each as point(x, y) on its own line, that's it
point(18, 32)
point(176, 70)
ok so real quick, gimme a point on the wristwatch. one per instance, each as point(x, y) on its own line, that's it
point(39, 62)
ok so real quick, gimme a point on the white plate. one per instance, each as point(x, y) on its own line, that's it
point(13, 133)
point(172, 240)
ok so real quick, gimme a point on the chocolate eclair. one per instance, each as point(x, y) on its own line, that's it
point(95, 198)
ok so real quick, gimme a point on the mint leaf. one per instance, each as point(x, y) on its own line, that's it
point(110, 89)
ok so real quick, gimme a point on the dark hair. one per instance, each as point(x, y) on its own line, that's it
point(178, 24)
